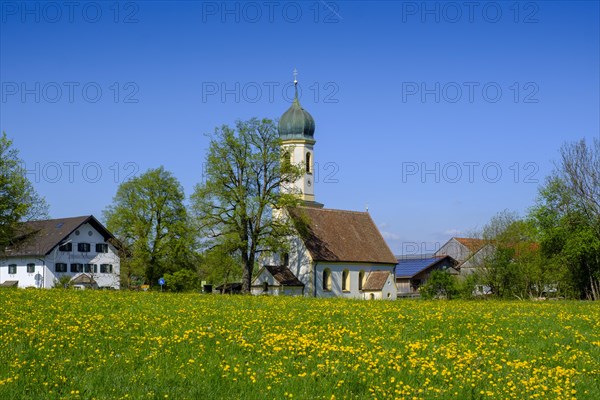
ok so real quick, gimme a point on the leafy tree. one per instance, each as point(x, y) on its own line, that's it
point(219, 266)
point(567, 216)
point(234, 204)
point(440, 284)
point(514, 267)
point(183, 280)
point(149, 218)
point(18, 199)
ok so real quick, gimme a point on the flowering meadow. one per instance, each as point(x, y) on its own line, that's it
point(117, 345)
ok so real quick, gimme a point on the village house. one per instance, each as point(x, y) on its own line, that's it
point(470, 253)
point(336, 253)
point(44, 251)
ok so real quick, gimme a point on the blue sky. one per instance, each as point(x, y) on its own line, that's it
point(435, 114)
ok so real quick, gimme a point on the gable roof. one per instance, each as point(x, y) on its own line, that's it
point(38, 238)
point(409, 267)
point(341, 236)
point(283, 275)
point(471, 243)
point(376, 280)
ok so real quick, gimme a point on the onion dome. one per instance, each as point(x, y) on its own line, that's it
point(296, 123)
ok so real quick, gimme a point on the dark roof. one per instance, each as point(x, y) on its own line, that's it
point(409, 267)
point(338, 235)
point(283, 275)
point(38, 238)
point(376, 280)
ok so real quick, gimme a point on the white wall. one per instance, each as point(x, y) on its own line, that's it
point(48, 271)
point(337, 270)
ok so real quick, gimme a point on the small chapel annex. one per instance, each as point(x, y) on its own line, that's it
point(339, 253)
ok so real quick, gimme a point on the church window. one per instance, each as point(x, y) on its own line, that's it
point(286, 259)
point(12, 269)
point(361, 279)
point(327, 279)
point(287, 159)
point(346, 280)
point(265, 287)
point(308, 163)
point(30, 268)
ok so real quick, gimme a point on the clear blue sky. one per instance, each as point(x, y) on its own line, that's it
point(436, 114)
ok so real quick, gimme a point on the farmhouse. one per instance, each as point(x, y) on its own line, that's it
point(44, 251)
point(335, 253)
point(413, 271)
point(468, 252)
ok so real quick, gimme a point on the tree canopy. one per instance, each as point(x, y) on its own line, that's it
point(18, 199)
point(233, 205)
point(149, 217)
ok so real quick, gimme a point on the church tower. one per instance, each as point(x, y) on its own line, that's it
point(296, 130)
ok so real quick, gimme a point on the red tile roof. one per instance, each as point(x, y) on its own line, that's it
point(471, 243)
point(341, 236)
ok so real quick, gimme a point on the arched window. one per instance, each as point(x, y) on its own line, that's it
point(361, 279)
point(327, 279)
point(286, 161)
point(308, 163)
point(372, 296)
point(346, 280)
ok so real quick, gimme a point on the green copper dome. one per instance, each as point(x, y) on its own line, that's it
point(296, 123)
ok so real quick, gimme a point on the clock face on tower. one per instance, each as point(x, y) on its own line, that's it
point(308, 182)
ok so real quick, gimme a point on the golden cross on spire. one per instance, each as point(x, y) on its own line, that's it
point(295, 76)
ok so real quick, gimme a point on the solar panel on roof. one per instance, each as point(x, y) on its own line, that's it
point(410, 267)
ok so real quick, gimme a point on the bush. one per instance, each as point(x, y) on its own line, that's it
point(439, 285)
point(183, 280)
point(63, 282)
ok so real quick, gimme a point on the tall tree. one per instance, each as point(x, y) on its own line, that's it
point(234, 204)
point(567, 214)
point(18, 199)
point(149, 217)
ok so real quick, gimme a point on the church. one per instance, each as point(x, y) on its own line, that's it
point(339, 253)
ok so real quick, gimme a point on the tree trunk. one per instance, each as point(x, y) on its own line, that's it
point(247, 274)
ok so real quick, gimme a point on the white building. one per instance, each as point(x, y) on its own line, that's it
point(80, 248)
point(336, 253)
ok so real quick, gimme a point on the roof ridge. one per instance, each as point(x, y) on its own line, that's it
point(335, 210)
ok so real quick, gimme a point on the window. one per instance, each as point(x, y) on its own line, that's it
point(101, 248)
point(83, 247)
point(346, 281)
point(95, 268)
point(12, 269)
point(287, 161)
point(265, 287)
point(327, 279)
point(106, 268)
point(361, 279)
point(308, 165)
point(76, 267)
point(66, 247)
point(60, 267)
point(286, 259)
point(87, 267)
point(30, 268)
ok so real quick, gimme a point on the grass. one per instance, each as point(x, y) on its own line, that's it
point(96, 344)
